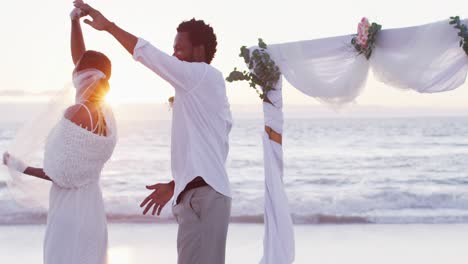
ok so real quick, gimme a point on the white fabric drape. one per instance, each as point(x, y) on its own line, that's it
point(327, 69)
point(425, 58)
point(278, 243)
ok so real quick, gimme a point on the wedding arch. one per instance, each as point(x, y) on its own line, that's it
point(429, 58)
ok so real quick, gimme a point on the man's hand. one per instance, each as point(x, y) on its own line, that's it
point(99, 22)
point(161, 195)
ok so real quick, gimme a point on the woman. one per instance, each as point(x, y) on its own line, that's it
point(75, 152)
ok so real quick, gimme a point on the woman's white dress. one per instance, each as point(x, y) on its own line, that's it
point(76, 224)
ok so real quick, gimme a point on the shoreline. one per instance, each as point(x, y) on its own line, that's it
point(325, 244)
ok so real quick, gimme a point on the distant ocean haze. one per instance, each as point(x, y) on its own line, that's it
point(22, 111)
point(361, 164)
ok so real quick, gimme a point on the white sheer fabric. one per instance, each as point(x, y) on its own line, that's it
point(327, 69)
point(425, 58)
point(278, 242)
point(273, 113)
point(27, 147)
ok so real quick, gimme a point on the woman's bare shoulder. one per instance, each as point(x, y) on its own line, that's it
point(79, 115)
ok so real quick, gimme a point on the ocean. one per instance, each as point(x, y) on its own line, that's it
point(337, 171)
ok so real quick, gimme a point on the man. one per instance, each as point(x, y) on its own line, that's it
point(200, 136)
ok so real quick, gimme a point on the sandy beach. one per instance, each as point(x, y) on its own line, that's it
point(324, 244)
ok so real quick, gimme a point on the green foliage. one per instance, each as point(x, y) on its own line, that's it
point(463, 34)
point(263, 73)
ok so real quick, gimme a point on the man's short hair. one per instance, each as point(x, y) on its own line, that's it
point(200, 33)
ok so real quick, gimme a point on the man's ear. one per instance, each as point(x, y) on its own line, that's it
point(199, 53)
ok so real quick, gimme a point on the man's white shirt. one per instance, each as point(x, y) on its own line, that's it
point(201, 119)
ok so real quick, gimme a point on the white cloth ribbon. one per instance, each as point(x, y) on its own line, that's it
point(278, 241)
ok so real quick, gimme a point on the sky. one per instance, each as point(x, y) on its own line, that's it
point(36, 56)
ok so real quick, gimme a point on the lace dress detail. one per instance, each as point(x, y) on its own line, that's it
point(74, 156)
point(76, 225)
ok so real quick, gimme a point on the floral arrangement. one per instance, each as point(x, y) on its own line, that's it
point(364, 41)
point(263, 71)
point(463, 32)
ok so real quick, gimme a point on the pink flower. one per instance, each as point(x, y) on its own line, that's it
point(363, 28)
point(362, 36)
point(363, 32)
point(362, 41)
point(364, 23)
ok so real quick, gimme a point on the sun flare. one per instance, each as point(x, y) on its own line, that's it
point(117, 95)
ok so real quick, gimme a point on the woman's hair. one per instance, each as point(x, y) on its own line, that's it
point(96, 60)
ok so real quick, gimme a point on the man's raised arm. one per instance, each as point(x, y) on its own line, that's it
point(99, 22)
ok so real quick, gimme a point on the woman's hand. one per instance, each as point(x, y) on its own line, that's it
point(14, 163)
point(77, 13)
